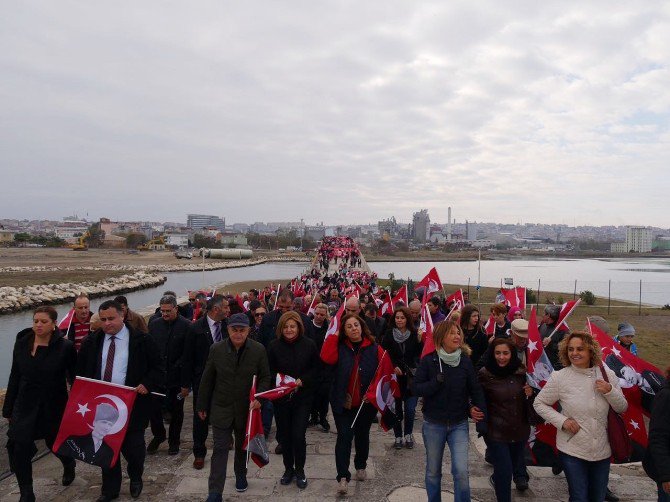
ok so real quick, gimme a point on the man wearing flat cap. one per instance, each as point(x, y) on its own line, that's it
point(224, 398)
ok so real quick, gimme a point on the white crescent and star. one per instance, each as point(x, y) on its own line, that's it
point(118, 404)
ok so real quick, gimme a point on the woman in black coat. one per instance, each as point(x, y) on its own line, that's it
point(294, 355)
point(36, 396)
point(657, 458)
point(401, 341)
point(475, 336)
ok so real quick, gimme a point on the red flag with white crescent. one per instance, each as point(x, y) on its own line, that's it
point(431, 282)
point(65, 323)
point(284, 385)
point(401, 296)
point(457, 298)
point(426, 324)
point(95, 421)
point(383, 391)
point(329, 348)
point(515, 297)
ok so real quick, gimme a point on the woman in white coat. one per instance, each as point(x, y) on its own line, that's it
point(584, 398)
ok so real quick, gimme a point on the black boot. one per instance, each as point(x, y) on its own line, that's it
point(68, 474)
point(27, 494)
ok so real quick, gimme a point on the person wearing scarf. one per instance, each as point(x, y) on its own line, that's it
point(294, 355)
point(401, 341)
point(503, 379)
point(447, 381)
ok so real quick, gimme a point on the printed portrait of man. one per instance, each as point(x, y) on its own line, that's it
point(91, 448)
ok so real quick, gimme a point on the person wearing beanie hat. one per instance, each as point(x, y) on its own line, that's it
point(625, 334)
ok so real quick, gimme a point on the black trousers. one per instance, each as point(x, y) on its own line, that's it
point(176, 409)
point(223, 438)
point(21, 454)
point(360, 434)
point(133, 450)
point(292, 419)
point(200, 430)
point(321, 401)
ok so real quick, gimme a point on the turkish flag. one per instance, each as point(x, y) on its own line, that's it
point(65, 323)
point(329, 349)
point(284, 386)
point(95, 421)
point(383, 392)
point(539, 367)
point(515, 297)
point(254, 441)
point(426, 325)
point(457, 299)
point(490, 326)
point(401, 296)
point(431, 282)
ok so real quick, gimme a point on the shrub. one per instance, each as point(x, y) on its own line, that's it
point(588, 297)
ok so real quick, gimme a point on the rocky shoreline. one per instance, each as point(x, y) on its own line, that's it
point(16, 299)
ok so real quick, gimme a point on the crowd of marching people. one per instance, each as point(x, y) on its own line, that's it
point(333, 341)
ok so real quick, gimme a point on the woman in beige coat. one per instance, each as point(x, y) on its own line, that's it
point(584, 398)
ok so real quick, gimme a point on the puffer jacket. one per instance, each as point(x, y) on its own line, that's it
point(506, 403)
point(575, 390)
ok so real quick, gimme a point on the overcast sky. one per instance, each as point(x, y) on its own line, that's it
point(341, 112)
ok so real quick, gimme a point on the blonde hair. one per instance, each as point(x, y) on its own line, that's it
point(443, 328)
point(595, 354)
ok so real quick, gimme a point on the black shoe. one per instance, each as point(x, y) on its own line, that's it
point(300, 479)
point(556, 469)
point(68, 474)
point(136, 488)
point(106, 498)
point(241, 484)
point(278, 449)
point(288, 476)
point(521, 484)
point(173, 449)
point(325, 426)
point(313, 420)
point(491, 482)
point(27, 494)
point(610, 497)
point(153, 445)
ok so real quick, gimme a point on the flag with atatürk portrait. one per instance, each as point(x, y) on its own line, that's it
point(95, 421)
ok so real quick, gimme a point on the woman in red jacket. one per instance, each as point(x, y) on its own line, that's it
point(354, 356)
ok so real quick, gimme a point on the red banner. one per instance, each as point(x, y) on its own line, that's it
point(95, 421)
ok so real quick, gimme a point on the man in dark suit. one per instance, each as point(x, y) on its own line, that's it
point(118, 354)
point(209, 329)
point(91, 448)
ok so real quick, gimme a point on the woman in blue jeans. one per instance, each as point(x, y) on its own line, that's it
point(401, 341)
point(503, 379)
point(447, 381)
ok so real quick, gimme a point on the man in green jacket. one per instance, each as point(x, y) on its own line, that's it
point(224, 397)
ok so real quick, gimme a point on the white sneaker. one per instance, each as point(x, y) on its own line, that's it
point(409, 441)
point(343, 487)
point(398, 444)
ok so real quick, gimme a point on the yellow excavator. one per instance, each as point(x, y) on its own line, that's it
point(81, 244)
point(154, 244)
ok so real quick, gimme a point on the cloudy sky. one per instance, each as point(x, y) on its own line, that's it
point(341, 112)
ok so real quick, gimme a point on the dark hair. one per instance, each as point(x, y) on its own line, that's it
point(168, 300)
point(286, 293)
point(170, 293)
point(200, 296)
point(111, 304)
point(371, 307)
point(48, 310)
point(492, 365)
point(122, 300)
point(235, 308)
point(466, 314)
point(215, 301)
point(435, 300)
point(408, 317)
point(365, 331)
point(254, 304)
point(291, 315)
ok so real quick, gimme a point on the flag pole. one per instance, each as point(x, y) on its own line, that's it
point(253, 384)
point(564, 319)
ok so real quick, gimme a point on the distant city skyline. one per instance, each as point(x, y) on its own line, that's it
point(555, 112)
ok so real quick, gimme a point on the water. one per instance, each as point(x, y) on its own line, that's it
point(554, 275)
point(179, 282)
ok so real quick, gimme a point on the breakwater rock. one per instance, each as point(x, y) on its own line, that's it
point(193, 266)
point(27, 297)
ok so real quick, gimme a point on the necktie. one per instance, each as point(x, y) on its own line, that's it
point(110, 360)
point(217, 331)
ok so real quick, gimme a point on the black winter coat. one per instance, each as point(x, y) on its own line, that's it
point(297, 360)
point(448, 403)
point(404, 355)
point(478, 341)
point(170, 338)
point(196, 350)
point(144, 367)
point(657, 457)
point(37, 391)
point(507, 406)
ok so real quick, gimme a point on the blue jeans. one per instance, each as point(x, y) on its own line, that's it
point(434, 438)
point(405, 408)
point(587, 481)
point(508, 462)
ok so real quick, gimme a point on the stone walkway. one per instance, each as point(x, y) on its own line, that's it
point(395, 476)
